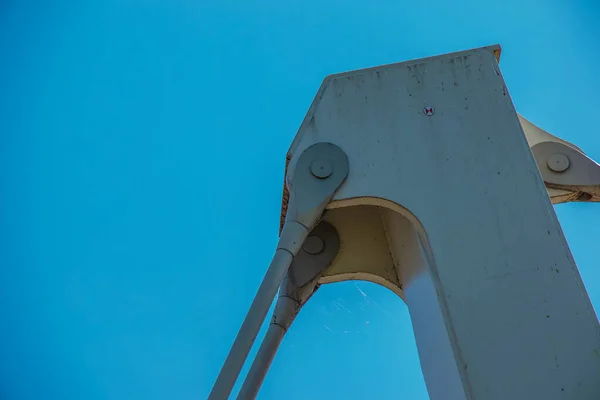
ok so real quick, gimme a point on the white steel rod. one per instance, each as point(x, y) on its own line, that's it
point(262, 362)
point(292, 237)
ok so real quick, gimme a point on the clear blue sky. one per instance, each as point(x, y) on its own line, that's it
point(142, 149)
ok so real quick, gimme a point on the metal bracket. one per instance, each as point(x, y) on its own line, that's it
point(566, 169)
point(320, 171)
point(568, 173)
point(317, 254)
point(301, 282)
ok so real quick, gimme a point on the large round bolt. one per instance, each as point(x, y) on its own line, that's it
point(321, 169)
point(558, 162)
point(313, 245)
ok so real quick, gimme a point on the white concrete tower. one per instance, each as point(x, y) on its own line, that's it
point(446, 203)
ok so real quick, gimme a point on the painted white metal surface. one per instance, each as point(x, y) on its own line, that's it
point(364, 252)
point(433, 342)
point(513, 319)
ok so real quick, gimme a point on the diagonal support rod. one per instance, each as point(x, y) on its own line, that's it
point(320, 171)
point(300, 283)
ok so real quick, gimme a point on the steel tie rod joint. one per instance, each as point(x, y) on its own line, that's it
point(301, 282)
point(568, 173)
point(320, 171)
